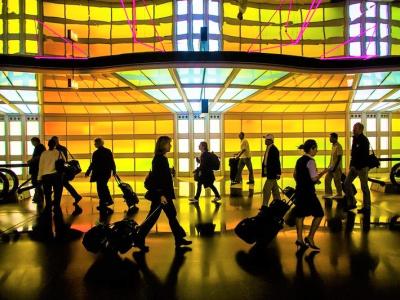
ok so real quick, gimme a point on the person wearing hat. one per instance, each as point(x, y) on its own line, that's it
point(271, 168)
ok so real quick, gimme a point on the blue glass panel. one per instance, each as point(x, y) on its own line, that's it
point(193, 93)
point(29, 96)
point(230, 93)
point(210, 93)
point(370, 79)
point(217, 75)
point(190, 75)
point(11, 95)
point(21, 78)
point(392, 79)
point(225, 107)
point(173, 107)
point(157, 94)
point(181, 106)
point(395, 96)
point(3, 80)
point(196, 106)
point(7, 109)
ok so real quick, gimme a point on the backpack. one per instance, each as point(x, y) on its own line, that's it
point(215, 163)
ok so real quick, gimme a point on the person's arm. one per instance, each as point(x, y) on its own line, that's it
point(278, 165)
point(312, 169)
point(338, 160)
point(113, 166)
point(239, 154)
point(41, 166)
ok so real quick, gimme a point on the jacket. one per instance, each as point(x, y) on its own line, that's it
point(164, 185)
point(273, 168)
point(102, 164)
point(359, 152)
point(206, 173)
point(34, 162)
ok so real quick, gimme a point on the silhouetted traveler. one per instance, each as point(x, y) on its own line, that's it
point(100, 169)
point(359, 167)
point(51, 179)
point(271, 168)
point(34, 167)
point(66, 183)
point(162, 193)
point(307, 203)
point(244, 157)
point(335, 169)
point(206, 174)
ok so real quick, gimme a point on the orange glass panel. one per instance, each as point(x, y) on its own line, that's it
point(325, 96)
point(123, 146)
point(251, 126)
point(69, 97)
point(117, 109)
point(54, 109)
point(97, 109)
point(100, 128)
point(271, 126)
point(99, 50)
point(164, 126)
point(75, 109)
point(278, 108)
point(55, 128)
point(316, 108)
point(100, 31)
point(335, 125)
point(313, 50)
point(292, 50)
point(292, 125)
point(53, 9)
point(228, 46)
point(137, 109)
point(123, 127)
point(341, 95)
point(51, 96)
point(157, 108)
point(296, 108)
point(77, 128)
point(144, 127)
point(78, 147)
point(337, 107)
point(121, 48)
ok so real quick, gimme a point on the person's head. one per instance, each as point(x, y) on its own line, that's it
point(310, 147)
point(333, 137)
point(203, 146)
point(35, 141)
point(241, 135)
point(163, 145)
point(55, 138)
point(51, 144)
point(358, 129)
point(269, 139)
point(98, 142)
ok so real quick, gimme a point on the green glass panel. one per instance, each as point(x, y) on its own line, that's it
point(217, 75)
point(363, 94)
point(159, 76)
point(21, 79)
point(137, 78)
point(369, 79)
point(157, 94)
point(313, 33)
point(247, 76)
point(269, 77)
point(395, 32)
point(378, 94)
point(230, 93)
point(244, 94)
point(172, 94)
point(392, 79)
point(395, 13)
point(3, 80)
point(334, 31)
point(334, 13)
point(190, 75)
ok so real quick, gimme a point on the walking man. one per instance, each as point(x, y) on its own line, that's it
point(335, 169)
point(244, 157)
point(34, 168)
point(271, 168)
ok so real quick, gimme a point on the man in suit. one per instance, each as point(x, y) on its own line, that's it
point(100, 170)
point(34, 168)
point(271, 168)
point(66, 183)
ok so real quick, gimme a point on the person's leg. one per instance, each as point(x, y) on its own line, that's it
point(103, 192)
point(249, 166)
point(57, 188)
point(151, 219)
point(348, 186)
point(47, 190)
point(363, 175)
point(177, 230)
point(275, 189)
point(314, 226)
point(299, 229)
point(71, 190)
point(267, 191)
point(328, 182)
point(239, 171)
point(215, 191)
point(337, 175)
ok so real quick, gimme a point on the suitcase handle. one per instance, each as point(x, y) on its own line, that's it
point(152, 214)
point(290, 201)
point(117, 178)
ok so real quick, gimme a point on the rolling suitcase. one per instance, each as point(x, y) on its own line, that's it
point(128, 194)
point(233, 165)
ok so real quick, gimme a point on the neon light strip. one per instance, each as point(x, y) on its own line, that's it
point(63, 38)
point(287, 21)
point(59, 57)
point(349, 57)
point(154, 24)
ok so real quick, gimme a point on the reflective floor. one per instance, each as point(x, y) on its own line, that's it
point(360, 256)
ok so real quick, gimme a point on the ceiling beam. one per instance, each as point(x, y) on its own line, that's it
point(381, 100)
point(178, 86)
point(12, 105)
point(97, 103)
point(353, 92)
point(227, 84)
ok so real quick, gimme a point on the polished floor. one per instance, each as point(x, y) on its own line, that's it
point(44, 257)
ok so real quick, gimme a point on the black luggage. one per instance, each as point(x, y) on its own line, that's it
point(128, 194)
point(233, 165)
point(96, 238)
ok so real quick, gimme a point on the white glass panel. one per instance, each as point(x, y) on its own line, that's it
point(196, 44)
point(354, 11)
point(2, 129)
point(182, 8)
point(181, 27)
point(371, 124)
point(2, 148)
point(355, 49)
point(183, 145)
point(354, 121)
point(17, 171)
point(354, 30)
point(384, 49)
point(215, 126)
point(183, 126)
point(384, 30)
point(371, 9)
point(198, 126)
point(384, 143)
point(213, 27)
point(196, 143)
point(213, 45)
point(32, 128)
point(15, 128)
point(213, 8)
point(197, 24)
point(15, 148)
point(383, 12)
point(371, 48)
point(215, 145)
point(384, 164)
point(372, 142)
point(184, 165)
point(371, 29)
point(197, 7)
point(29, 148)
point(182, 45)
point(384, 124)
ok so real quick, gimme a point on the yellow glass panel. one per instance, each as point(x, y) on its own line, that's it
point(55, 128)
point(334, 13)
point(335, 125)
point(316, 108)
point(13, 6)
point(143, 164)
point(271, 33)
point(341, 141)
point(292, 143)
point(334, 32)
point(320, 161)
point(123, 127)
point(1, 28)
point(314, 125)
point(77, 128)
point(31, 46)
point(100, 13)
point(230, 10)
point(337, 107)
point(164, 29)
point(144, 146)
point(396, 143)
point(313, 50)
point(13, 47)
point(84, 166)
point(296, 108)
point(255, 144)
point(123, 146)
point(289, 162)
point(292, 125)
point(251, 14)
point(292, 50)
point(78, 147)
point(164, 127)
point(278, 108)
point(145, 31)
point(100, 128)
point(122, 31)
point(1, 45)
point(231, 30)
point(270, 15)
point(251, 126)
point(53, 9)
point(314, 33)
point(163, 10)
point(124, 164)
point(118, 14)
point(232, 126)
point(144, 12)
point(271, 126)
point(144, 127)
point(100, 31)
point(395, 124)
point(77, 12)
point(256, 162)
point(30, 27)
point(13, 26)
point(341, 96)
point(232, 145)
point(31, 7)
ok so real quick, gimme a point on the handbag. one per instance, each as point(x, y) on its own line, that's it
point(72, 168)
point(373, 161)
point(150, 181)
point(197, 174)
point(60, 163)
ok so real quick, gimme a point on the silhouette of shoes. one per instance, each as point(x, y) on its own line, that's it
point(364, 210)
point(182, 250)
point(250, 182)
point(182, 242)
point(216, 200)
point(310, 243)
point(78, 199)
point(301, 245)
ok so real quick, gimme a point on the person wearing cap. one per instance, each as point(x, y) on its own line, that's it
point(335, 169)
point(271, 168)
point(244, 157)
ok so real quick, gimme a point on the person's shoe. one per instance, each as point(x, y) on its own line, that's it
point(301, 245)
point(182, 242)
point(250, 182)
point(216, 200)
point(108, 203)
point(310, 243)
point(364, 210)
point(327, 196)
point(338, 197)
point(193, 200)
point(78, 199)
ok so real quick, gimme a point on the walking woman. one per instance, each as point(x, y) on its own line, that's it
point(206, 174)
point(307, 203)
point(51, 179)
point(162, 193)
